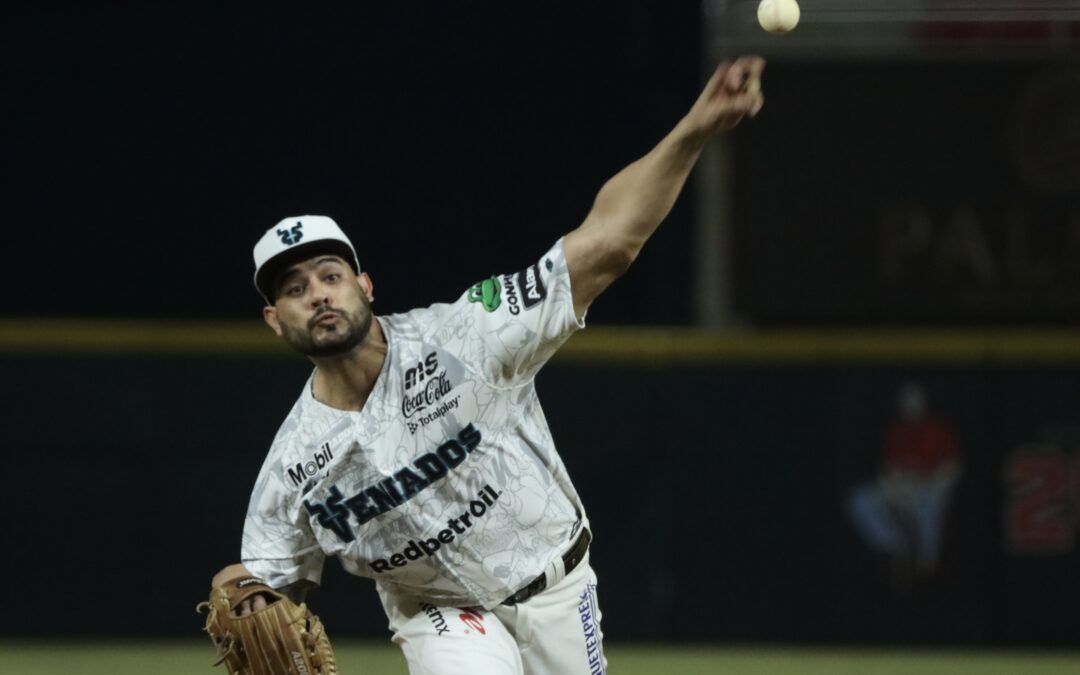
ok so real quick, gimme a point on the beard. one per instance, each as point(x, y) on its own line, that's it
point(341, 339)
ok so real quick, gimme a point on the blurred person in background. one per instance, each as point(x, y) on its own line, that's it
point(902, 513)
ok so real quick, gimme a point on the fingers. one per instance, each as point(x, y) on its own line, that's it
point(738, 84)
point(251, 605)
point(733, 92)
point(750, 100)
point(718, 79)
point(756, 64)
point(746, 103)
point(735, 78)
point(742, 74)
point(258, 602)
point(749, 103)
point(745, 74)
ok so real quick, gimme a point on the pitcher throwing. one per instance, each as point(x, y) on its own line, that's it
point(418, 454)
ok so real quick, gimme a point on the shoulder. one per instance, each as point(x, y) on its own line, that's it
point(488, 298)
point(414, 333)
point(289, 448)
point(412, 325)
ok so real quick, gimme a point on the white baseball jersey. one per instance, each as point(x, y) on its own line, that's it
point(446, 486)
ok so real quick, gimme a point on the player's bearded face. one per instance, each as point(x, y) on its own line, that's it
point(330, 329)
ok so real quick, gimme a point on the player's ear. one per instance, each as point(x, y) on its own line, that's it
point(271, 318)
point(366, 285)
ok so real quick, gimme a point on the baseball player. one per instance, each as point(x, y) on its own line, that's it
point(417, 453)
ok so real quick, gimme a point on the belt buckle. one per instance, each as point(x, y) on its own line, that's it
point(535, 586)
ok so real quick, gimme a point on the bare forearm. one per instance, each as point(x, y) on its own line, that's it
point(626, 212)
point(633, 203)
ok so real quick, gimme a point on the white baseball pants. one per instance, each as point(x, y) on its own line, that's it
point(555, 632)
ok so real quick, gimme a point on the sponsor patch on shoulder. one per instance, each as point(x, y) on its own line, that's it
point(531, 285)
point(488, 293)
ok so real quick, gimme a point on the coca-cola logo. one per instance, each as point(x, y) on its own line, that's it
point(433, 390)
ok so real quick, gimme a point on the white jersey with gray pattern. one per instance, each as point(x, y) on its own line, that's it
point(446, 486)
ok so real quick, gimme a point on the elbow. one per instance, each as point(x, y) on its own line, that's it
point(597, 256)
point(616, 243)
point(616, 256)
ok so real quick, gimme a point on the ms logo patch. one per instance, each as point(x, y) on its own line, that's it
point(293, 235)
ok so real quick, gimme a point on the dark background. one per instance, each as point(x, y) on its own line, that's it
point(146, 148)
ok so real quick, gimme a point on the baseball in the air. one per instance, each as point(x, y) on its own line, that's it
point(778, 16)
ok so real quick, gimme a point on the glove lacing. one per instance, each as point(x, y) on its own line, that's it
point(226, 645)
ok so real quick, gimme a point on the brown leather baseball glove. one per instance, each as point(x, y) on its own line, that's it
point(281, 639)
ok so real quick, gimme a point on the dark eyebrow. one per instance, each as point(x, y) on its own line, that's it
point(285, 276)
point(294, 269)
point(287, 273)
point(291, 271)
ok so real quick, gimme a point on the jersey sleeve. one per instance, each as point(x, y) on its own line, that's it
point(277, 546)
point(507, 326)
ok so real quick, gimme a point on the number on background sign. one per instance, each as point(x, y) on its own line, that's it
point(1042, 485)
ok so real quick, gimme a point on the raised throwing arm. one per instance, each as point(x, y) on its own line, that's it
point(631, 205)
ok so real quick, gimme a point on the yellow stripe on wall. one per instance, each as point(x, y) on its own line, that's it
point(689, 346)
point(602, 344)
point(138, 337)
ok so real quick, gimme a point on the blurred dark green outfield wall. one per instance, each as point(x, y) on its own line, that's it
point(731, 481)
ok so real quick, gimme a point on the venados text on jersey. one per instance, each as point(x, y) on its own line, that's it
point(391, 492)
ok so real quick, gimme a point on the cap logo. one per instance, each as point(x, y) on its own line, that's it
point(293, 235)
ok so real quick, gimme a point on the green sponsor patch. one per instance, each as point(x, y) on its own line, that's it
point(488, 292)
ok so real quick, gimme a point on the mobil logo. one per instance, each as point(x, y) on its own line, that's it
point(304, 470)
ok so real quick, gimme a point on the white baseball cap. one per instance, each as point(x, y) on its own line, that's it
point(294, 239)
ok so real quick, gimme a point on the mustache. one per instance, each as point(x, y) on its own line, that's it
point(323, 310)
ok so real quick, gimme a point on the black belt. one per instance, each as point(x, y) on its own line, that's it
point(570, 560)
